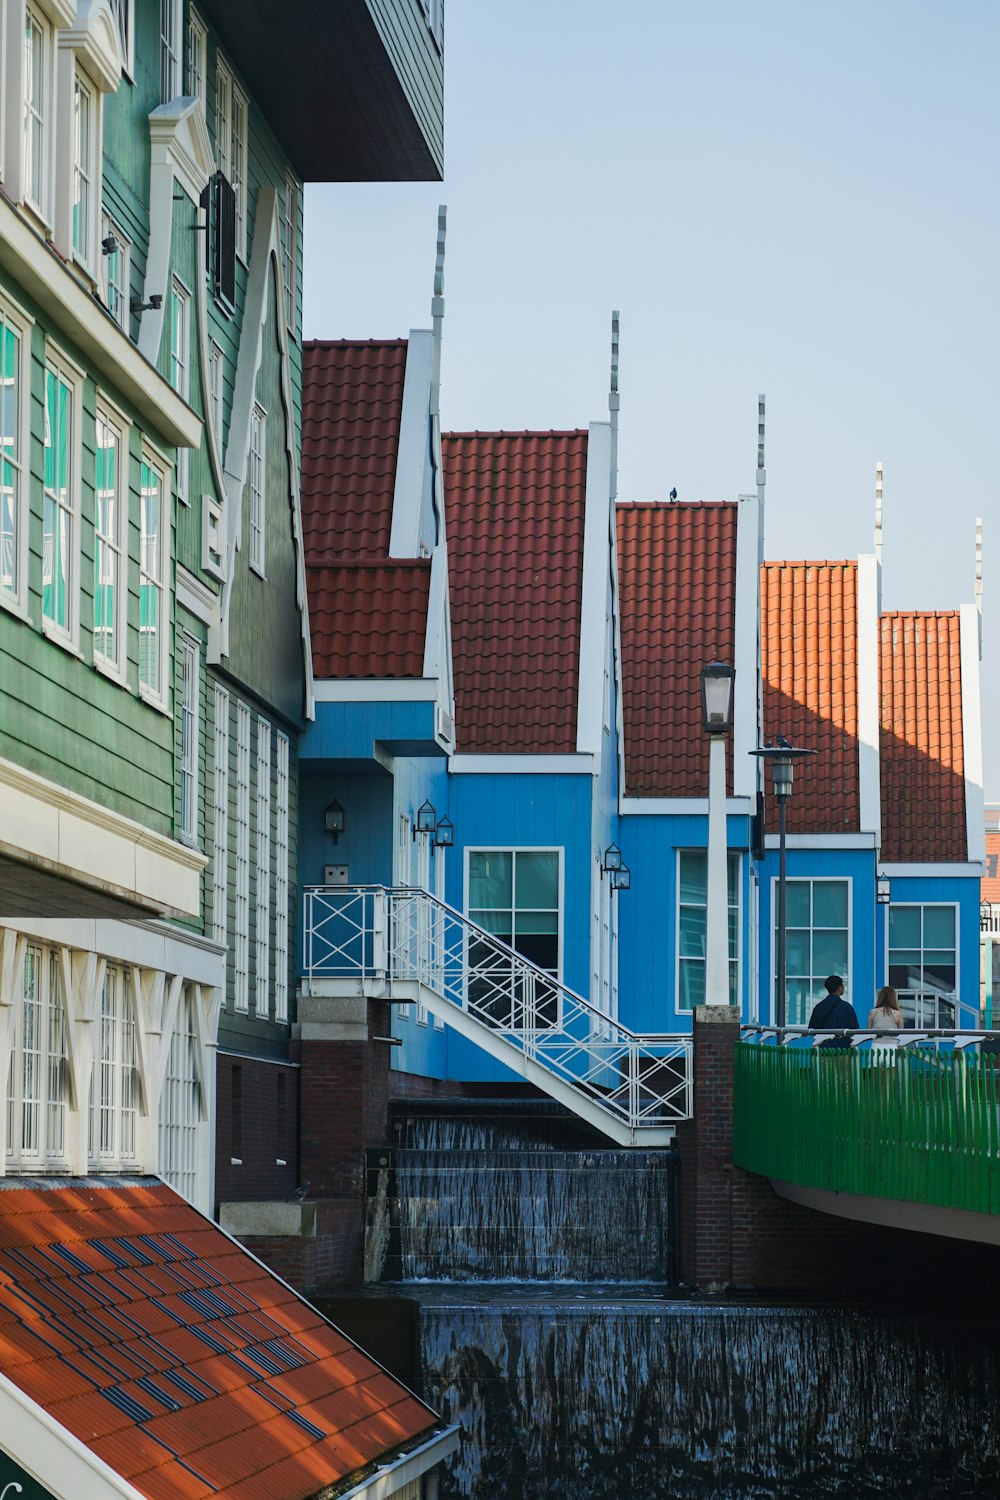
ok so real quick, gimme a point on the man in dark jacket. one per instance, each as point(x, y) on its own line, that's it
point(834, 1013)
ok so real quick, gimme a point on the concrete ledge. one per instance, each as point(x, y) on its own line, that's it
point(717, 1015)
point(893, 1213)
point(271, 1220)
point(333, 1018)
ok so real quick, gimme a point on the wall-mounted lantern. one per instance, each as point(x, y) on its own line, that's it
point(444, 834)
point(621, 879)
point(618, 872)
point(426, 819)
point(335, 820)
point(611, 859)
point(883, 889)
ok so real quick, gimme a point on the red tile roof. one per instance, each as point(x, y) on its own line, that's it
point(369, 620)
point(352, 399)
point(921, 752)
point(515, 515)
point(367, 612)
point(809, 626)
point(177, 1358)
point(990, 882)
point(677, 580)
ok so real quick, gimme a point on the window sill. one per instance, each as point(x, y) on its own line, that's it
point(63, 641)
point(258, 571)
point(189, 840)
point(111, 672)
point(14, 606)
point(160, 704)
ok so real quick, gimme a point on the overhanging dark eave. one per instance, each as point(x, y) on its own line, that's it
point(327, 85)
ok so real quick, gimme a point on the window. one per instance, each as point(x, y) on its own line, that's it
point(514, 894)
point(110, 523)
point(231, 136)
point(85, 186)
point(290, 251)
point(38, 1081)
point(13, 489)
point(196, 59)
point(281, 880)
point(692, 924)
point(262, 998)
point(220, 835)
point(211, 537)
point(114, 1081)
point(123, 12)
point(180, 1104)
point(37, 111)
point(216, 370)
point(255, 483)
point(242, 946)
point(180, 371)
point(403, 856)
point(152, 575)
point(170, 49)
point(116, 271)
point(817, 927)
point(190, 731)
point(60, 538)
point(923, 963)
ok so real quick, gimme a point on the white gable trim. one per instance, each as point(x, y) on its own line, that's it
point(672, 807)
point(413, 449)
point(265, 262)
point(869, 774)
point(928, 871)
point(94, 39)
point(594, 592)
point(523, 765)
point(747, 648)
point(972, 733)
point(50, 1453)
point(822, 841)
point(377, 690)
point(181, 151)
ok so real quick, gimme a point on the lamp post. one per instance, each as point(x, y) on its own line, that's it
point(782, 757)
point(717, 718)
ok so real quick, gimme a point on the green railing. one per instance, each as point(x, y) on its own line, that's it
point(915, 1123)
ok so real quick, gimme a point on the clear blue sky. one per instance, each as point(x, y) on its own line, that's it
point(790, 197)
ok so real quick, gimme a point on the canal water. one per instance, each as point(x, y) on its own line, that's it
point(547, 1328)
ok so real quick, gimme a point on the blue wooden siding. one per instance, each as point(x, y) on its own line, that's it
point(943, 890)
point(350, 731)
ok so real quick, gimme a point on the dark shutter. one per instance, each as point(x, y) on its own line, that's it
point(224, 242)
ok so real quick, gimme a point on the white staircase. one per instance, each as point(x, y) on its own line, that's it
point(408, 946)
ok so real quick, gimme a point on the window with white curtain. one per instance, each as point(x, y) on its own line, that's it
point(180, 367)
point(232, 117)
point(38, 1080)
point(196, 58)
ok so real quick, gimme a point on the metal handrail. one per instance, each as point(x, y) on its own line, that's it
point(905, 1037)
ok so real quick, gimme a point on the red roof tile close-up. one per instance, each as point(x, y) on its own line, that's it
point(515, 505)
point(177, 1358)
point(369, 620)
point(809, 655)
point(352, 401)
point(677, 581)
point(922, 757)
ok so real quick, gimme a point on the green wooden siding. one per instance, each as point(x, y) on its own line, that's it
point(418, 62)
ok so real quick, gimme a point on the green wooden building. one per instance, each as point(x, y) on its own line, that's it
point(154, 653)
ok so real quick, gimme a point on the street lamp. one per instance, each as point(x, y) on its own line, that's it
point(717, 718)
point(782, 756)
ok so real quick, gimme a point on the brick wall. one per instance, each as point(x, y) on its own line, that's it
point(257, 1123)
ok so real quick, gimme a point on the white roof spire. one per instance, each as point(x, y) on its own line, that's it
point(614, 402)
point(437, 307)
point(878, 513)
point(979, 580)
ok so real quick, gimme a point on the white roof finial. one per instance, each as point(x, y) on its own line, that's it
point(614, 402)
point(761, 473)
point(439, 258)
point(979, 580)
point(878, 514)
point(437, 308)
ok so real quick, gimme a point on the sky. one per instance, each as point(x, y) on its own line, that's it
point(799, 199)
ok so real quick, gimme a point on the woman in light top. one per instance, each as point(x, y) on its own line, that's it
point(886, 1017)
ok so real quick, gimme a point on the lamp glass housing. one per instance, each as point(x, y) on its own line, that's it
point(621, 878)
point(717, 697)
point(444, 834)
point(883, 889)
point(784, 775)
point(426, 818)
point(612, 859)
point(334, 819)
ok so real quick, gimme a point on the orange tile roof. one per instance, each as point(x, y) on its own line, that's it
point(809, 655)
point(921, 752)
point(177, 1358)
point(990, 882)
point(515, 514)
point(677, 581)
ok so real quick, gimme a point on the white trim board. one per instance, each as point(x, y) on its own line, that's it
point(869, 773)
point(412, 451)
point(151, 945)
point(682, 807)
point(972, 734)
point(52, 1455)
point(377, 690)
point(594, 592)
point(929, 872)
point(523, 765)
point(746, 628)
point(821, 841)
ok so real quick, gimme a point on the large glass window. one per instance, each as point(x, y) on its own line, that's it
point(692, 927)
point(13, 522)
point(115, 1092)
point(152, 578)
point(59, 531)
point(514, 894)
point(110, 491)
point(817, 927)
point(923, 963)
point(38, 1081)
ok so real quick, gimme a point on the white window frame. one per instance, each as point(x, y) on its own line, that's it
point(424, 927)
point(68, 510)
point(281, 875)
point(171, 36)
point(257, 491)
point(38, 1081)
point(687, 1010)
point(262, 931)
point(179, 335)
point(86, 170)
point(232, 145)
point(123, 12)
point(116, 287)
point(154, 573)
point(15, 595)
point(216, 379)
point(116, 1106)
point(439, 879)
point(115, 541)
point(515, 849)
point(196, 58)
point(402, 875)
point(181, 1103)
point(40, 111)
point(290, 251)
point(812, 880)
point(190, 739)
point(241, 983)
point(223, 117)
point(213, 558)
point(220, 830)
point(921, 906)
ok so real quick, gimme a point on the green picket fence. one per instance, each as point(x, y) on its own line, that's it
point(912, 1123)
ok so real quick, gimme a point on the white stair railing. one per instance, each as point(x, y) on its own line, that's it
point(407, 937)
